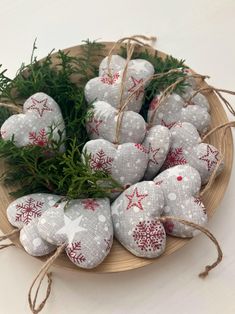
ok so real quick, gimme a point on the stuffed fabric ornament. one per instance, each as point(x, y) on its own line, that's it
point(102, 123)
point(157, 143)
point(85, 225)
point(174, 109)
point(24, 213)
point(107, 86)
point(33, 126)
point(126, 162)
point(186, 148)
point(180, 185)
point(135, 216)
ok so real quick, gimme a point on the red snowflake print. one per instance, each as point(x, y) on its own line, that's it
point(135, 199)
point(174, 157)
point(149, 235)
point(93, 125)
point(141, 148)
point(169, 226)
point(73, 250)
point(154, 104)
point(109, 79)
point(198, 201)
point(100, 161)
point(168, 125)
point(135, 85)
point(39, 139)
point(90, 203)
point(152, 154)
point(211, 157)
point(28, 210)
point(40, 106)
point(158, 183)
point(108, 243)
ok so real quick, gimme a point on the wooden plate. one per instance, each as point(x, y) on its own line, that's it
point(119, 258)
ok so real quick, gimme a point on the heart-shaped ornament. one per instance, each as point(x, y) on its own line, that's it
point(24, 213)
point(126, 162)
point(157, 143)
point(174, 109)
point(186, 148)
point(41, 116)
point(181, 185)
point(107, 87)
point(84, 225)
point(135, 216)
point(102, 123)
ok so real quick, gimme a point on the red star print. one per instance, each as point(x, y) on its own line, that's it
point(39, 105)
point(168, 125)
point(90, 203)
point(153, 154)
point(135, 199)
point(211, 157)
point(93, 125)
point(135, 85)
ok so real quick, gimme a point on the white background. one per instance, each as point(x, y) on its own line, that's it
point(202, 32)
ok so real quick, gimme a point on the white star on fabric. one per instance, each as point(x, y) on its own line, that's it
point(71, 227)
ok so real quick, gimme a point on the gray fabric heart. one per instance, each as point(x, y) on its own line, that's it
point(41, 114)
point(107, 86)
point(135, 216)
point(85, 225)
point(181, 185)
point(24, 213)
point(157, 143)
point(186, 148)
point(174, 109)
point(126, 162)
point(102, 123)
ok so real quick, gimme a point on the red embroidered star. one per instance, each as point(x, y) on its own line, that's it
point(39, 105)
point(90, 203)
point(108, 78)
point(135, 199)
point(211, 157)
point(152, 154)
point(136, 83)
point(93, 125)
point(168, 125)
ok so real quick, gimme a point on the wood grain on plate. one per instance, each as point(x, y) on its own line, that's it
point(119, 258)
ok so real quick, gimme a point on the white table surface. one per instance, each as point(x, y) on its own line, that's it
point(200, 31)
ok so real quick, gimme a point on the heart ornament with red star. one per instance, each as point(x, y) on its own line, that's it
point(126, 163)
point(180, 186)
point(135, 216)
point(40, 119)
point(187, 148)
point(107, 86)
point(84, 226)
point(24, 213)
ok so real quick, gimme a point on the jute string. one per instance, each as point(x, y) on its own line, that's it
point(208, 268)
point(12, 107)
point(41, 275)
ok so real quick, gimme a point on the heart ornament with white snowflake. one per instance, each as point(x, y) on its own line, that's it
point(126, 163)
point(187, 148)
point(180, 186)
point(41, 120)
point(136, 214)
point(108, 85)
point(24, 213)
point(84, 226)
point(103, 122)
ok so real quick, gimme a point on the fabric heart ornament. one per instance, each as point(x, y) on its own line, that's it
point(181, 185)
point(41, 116)
point(102, 123)
point(84, 225)
point(174, 109)
point(157, 143)
point(24, 213)
point(126, 162)
point(186, 148)
point(107, 87)
point(135, 216)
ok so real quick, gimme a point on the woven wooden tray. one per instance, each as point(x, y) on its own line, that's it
point(119, 258)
